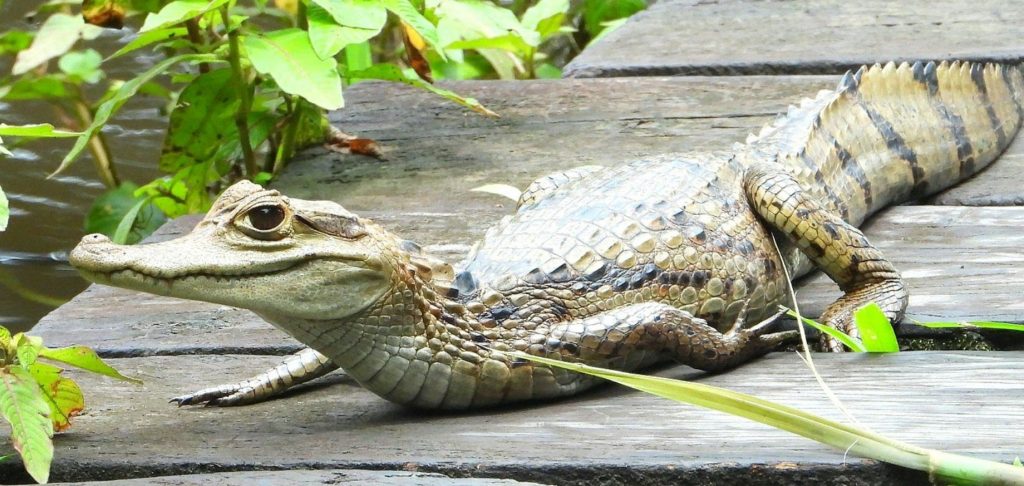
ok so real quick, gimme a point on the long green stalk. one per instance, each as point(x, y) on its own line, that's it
point(863, 443)
point(242, 115)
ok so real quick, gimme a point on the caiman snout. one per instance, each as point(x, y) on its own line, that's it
point(92, 251)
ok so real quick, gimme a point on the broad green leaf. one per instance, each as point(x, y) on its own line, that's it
point(55, 37)
point(111, 208)
point(504, 190)
point(84, 358)
point(5, 209)
point(289, 58)
point(875, 330)
point(202, 121)
point(328, 38)
point(14, 41)
point(179, 11)
point(126, 91)
point(104, 13)
point(124, 227)
point(545, 18)
point(62, 394)
point(508, 42)
point(46, 87)
point(83, 64)
point(27, 348)
point(831, 331)
point(358, 57)
point(364, 14)
point(478, 19)
point(38, 130)
point(599, 14)
point(23, 406)
point(409, 14)
point(390, 72)
point(151, 37)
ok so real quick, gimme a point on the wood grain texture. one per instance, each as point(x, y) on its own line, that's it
point(957, 402)
point(310, 477)
point(687, 37)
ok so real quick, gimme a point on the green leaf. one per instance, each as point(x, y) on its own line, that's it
point(38, 130)
point(23, 406)
point(548, 71)
point(358, 57)
point(124, 227)
point(27, 348)
point(110, 209)
point(409, 14)
point(84, 358)
point(875, 330)
point(831, 331)
point(609, 27)
point(545, 18)
point(598, 14)
point(5, 210)
point(390, 72)
point(508, 42)
point(46, 87)
point(62, 394)
point(202, 121)
point(151, 37)
point(1003, 326)
point(14, 41)
point(179, 11)
point(55, 37)
point(82, 64)
point(127, 90)
point(363, 14)
point(328, 38)
point(289, 58)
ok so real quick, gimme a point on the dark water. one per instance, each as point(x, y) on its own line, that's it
point(47, 214)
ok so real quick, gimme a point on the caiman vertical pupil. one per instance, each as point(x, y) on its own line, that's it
point(266, 218)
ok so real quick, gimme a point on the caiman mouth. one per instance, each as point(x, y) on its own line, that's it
point(135, 277)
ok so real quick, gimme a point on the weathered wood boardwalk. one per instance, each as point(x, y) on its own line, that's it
point(960, 251)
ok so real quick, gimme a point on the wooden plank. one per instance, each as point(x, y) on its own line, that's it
point(437, 151)
point(611, 435)
point(686, 37)
point(308, 476)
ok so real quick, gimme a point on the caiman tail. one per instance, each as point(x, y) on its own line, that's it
point(893, 133)
point(885, 135)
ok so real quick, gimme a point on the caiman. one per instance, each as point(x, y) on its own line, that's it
point(672, 257)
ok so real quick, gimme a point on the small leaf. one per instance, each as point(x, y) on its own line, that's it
point(14, 41)
point(27, 348)
point(151, 37)
point(127, 90)
point(409, 14)
point(111, 209)
point(39, 130)
point(124, 227)
point(358, 57)
point(503, 190)
point(62, 394)
point(328, 38)
point(390, 72)
point(179, 11)
point(875, 330)
point(545, 17)
point(288, 57)
point(840, 336)
point(84, 358)
point(55, 37)
point(104, 13)
point(84, 64)
point(46, 87)
point(22, 404)
point(5, 210)
point(363, 14)
point(1003, 326)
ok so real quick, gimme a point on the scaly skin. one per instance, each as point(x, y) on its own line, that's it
point(669, 257)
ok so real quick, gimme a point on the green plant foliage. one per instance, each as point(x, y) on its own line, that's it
point(600, 15)
point(329, 37)
point(876, 332)
point(23, 406)
point(86, 359)
point(850, 342)
point(1001, 326)
point(43, 130)
point(55, 37)
point(113, 208)
point(63, 395)
point(85, 65)
point(947, 468)
point(288, 57)
point(390, 72)
point(5, 209)
point(179, 11)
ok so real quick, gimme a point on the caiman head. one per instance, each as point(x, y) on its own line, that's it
point(258, 250)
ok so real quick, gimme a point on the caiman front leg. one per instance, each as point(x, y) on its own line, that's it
point(661, 328)
point(837, 248)
point(298, 368)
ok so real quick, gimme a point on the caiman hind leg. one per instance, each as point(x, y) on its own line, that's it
point(298, 368)
point(837, 248)
point(612, 337)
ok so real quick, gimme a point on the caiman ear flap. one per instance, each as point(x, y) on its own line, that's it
point(333, 224)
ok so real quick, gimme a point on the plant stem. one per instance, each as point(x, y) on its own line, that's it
point(242, 115)
point(287, 146)
point(302, 20)
point(97, 145)
point(196, 37)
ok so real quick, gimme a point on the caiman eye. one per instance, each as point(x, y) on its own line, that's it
point(266, 218)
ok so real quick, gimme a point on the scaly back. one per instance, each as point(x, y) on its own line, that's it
point(889, 134)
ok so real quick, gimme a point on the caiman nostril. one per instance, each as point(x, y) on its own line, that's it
point(95, 238)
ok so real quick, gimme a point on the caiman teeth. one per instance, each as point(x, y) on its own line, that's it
point(148, 278)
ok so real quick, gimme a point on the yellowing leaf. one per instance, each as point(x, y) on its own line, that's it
point(62, 394)
point(414, 45)
point(23, 406)
point(288, 57)
point(84, 358)
point(104, 13)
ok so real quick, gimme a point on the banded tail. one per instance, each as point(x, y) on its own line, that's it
point(892, 133)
